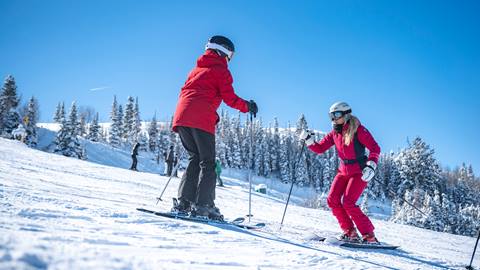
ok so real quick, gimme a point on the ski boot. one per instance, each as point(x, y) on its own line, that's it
point(369, 238)
point(350, 235)
point(181, 207)
point(208, 211)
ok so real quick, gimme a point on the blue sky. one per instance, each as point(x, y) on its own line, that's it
point(408, 68)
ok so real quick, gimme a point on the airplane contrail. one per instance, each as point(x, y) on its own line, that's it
point(99, 88)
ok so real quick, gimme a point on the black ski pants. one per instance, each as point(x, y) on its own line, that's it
point(169, 168)
point(198, 181)
point(134, 163)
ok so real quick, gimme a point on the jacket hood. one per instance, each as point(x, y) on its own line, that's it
point(211, 58)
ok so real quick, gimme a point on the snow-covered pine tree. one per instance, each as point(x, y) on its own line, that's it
point(67, 141)
point(450, 217)
point(30, 121)
point(418, 167)
point(120, 124)
point(432, 207)
point(403, 212)
point(129, 121)
point(267, 161)
point(137, 123)
point(94, 132)
point(221, 137)
point(9, 116)
point(364, 205)
point(143, 140)
point(275, 148)
point(260, 151)
point(236, 134)
point(82, 125)
point(248, 144)
point(470, 220)
point(301, 173)
point(59, 113)
point(384, 173)
point(114, 134)
point(286, 157)
point(153, 134)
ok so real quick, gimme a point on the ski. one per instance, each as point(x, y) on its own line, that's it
point(343, 243)
point(380, 245)
point(238, 222)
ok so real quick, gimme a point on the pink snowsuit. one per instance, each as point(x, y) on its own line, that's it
point(348, 181)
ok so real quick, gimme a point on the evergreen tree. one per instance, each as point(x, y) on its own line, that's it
point(94, 132)
point(143, 140)
point(59, 113)
point(30, 120)
point(129, 121)
point(67, 141)
point(9, 116)
point(275, 148)
point(114, 135)
point(153, 134)
point(286, 152)
point(236, 133)
point(260, 151)
point(418, 167)
point(82, 125)
point(221, 139)
point(302, 168)
point(120, 125)
point(432, 207)
point(137, 126)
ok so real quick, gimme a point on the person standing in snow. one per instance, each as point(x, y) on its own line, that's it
point(207, 85)
point(169, 161)
point(134, 156)
point(218, 171)
point(354, 173)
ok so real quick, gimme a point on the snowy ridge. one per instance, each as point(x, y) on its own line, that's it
point(64, 213)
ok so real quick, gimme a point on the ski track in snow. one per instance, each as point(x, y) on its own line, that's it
point(63, 213)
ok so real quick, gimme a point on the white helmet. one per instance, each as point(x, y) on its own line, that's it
point(339, 109)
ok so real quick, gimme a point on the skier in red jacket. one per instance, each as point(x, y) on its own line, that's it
point(207, 85)
point(354, 173)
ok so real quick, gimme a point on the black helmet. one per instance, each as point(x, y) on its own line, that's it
point(222, 45)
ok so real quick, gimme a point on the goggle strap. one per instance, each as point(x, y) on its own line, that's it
point(215, 46)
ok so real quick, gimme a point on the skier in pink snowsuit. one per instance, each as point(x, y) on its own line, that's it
point(355, 171)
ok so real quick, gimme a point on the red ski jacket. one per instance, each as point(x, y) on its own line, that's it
point(207, 85)
point(348, 152)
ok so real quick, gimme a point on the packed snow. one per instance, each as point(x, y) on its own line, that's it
point(64, 213)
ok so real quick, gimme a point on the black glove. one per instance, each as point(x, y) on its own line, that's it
point(252, 107)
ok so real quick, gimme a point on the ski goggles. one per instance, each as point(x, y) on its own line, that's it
point(220, 48)
point(336, 115)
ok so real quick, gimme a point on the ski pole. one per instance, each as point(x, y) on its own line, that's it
point(250, 175)
point(291, 187)
point(473, 254)
point(174, 171)
point(395, 195)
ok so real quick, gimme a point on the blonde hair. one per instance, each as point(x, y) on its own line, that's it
point(353, 125)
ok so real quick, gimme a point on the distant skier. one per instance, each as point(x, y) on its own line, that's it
point(195, 118)
point(354, 173)
point(134, 156)
point(175, 171)
point(218, 171)
point(169, 160)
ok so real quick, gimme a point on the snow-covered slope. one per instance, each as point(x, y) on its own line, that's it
point(100, 153)
point(64, 213)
